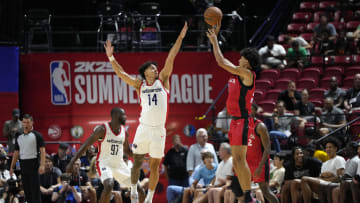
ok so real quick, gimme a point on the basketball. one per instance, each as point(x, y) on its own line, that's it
point(212, 15)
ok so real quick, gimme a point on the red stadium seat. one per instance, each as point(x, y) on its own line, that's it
point(317, 15)
point(327, 4)
point(290, 73)
point(337, 60)
point(333, 71)
point(282, 83)
point(352, 70)
point(302, 17)
point(338, 25)
point(307, 36)
point(318, 103)
point(272, 95)
point(317, 93)
point(296, 28)
point(312, 72)
point(355, 59)
point(347, 16)
point(263, 84)
point(309, 6)
point(317, 60)
point(348, 82)
point(268, 106)
point(310, 26)
point(306, 83)
point(355, 129)
point(270, 74)
point(352, 25)
point(258, 96)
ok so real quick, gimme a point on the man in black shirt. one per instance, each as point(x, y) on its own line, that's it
point(304, 107)
point(61, 159)
point(175, 163)
point(352, 98)
point(28, 146)
point(49, 180)
point(80, 178)
point(290, 96)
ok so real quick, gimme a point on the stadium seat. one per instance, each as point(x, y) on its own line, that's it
point(302, 17)
point(306, 83)
point(273, 94)
point(352, 25)
point(309, 6)
point(310, 26)
point(317, 93)
point(263, 84)
point(307, 36)
point(268, 106)
point(317, 60)
point(270, 74)
point(317, 102)
point(290, 73)
point(325, 82)
point(348, 15)
point(312, 72)
point(324, 5)
point(338, 25)
point(348, 82)
point(258, 95)
point(355, 130)
point(337, 60)
point(317, 15)
point(282, 83)
point(355, 59)
point(352, 70)
point(296, 28)
point(333, 71)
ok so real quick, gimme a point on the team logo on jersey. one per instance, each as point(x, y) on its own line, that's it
point(60, 82)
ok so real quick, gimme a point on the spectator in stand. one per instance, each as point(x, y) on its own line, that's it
point(315, 150)
point(355, 185)
point(222, 125)
point(331, 171)
point(273, 55)
point(356, 36)
point(66, 192)
point(216, 189)
point(49, 180)
point(290, 96)
point(352, 97)
point(304, 108)
point(332, 118)
point(335, 92)
point(11, 127)
point(282, 124)
point(297, 56)
point(175, 163)
point(61, 159)
point(4, 173)
point(277, 174)
point(342, 44)
point(302, 42)
point(324, 35)
point(295, 169)
point(340, 193)
point(194, 154)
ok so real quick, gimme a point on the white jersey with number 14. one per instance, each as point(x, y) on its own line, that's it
point(154, 101)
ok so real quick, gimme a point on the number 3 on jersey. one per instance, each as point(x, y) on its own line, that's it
point(153, 99)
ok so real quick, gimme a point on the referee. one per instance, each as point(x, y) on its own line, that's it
point(29, 145)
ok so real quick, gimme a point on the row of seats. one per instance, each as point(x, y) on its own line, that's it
point(305, 17)
point(297, 28)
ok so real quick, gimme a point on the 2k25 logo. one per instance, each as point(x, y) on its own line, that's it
point(60, 82)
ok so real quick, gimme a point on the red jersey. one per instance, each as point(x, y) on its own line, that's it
point(240, 97)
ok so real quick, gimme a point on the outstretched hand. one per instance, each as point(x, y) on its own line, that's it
point(184, 30)
point(108, 48)
point(212, 36)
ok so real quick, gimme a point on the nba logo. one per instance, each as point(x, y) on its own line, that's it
point(60, 82)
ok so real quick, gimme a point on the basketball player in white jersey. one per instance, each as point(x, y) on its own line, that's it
point(153, 92)
point(112, 143)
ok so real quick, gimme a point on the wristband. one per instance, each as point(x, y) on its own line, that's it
point(111, 58)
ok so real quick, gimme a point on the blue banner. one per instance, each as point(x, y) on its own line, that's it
point(9, 69)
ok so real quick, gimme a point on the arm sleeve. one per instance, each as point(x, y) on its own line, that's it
point(340, 163)
point(282, 50)
point(197, 174)
point(262, 51)
point(17, 148)
point(332, 29)
point(190, 159)
point(351, 168)
point(288, 173)
point(39, 139)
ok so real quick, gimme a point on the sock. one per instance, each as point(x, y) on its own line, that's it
point(133, 188)
point(150, 195)
point(248, 197)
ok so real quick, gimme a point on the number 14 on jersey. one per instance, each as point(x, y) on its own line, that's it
point(152, 99)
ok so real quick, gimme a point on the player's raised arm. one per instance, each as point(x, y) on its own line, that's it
point(222, 61)
point(96, 135)
point(132, 81)
point(169, 63)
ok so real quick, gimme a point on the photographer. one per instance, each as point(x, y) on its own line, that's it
point(66, 192)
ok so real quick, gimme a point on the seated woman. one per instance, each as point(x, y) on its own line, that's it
point(331, 171)
point(298, 167)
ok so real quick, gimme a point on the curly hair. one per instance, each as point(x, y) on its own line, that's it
point(144, 66)
point(252, 55)
point(333, 141)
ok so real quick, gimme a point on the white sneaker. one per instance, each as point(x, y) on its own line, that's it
point(134, 197)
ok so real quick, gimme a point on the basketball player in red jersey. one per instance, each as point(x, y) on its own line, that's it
point(258, 156)
point(241, 87)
